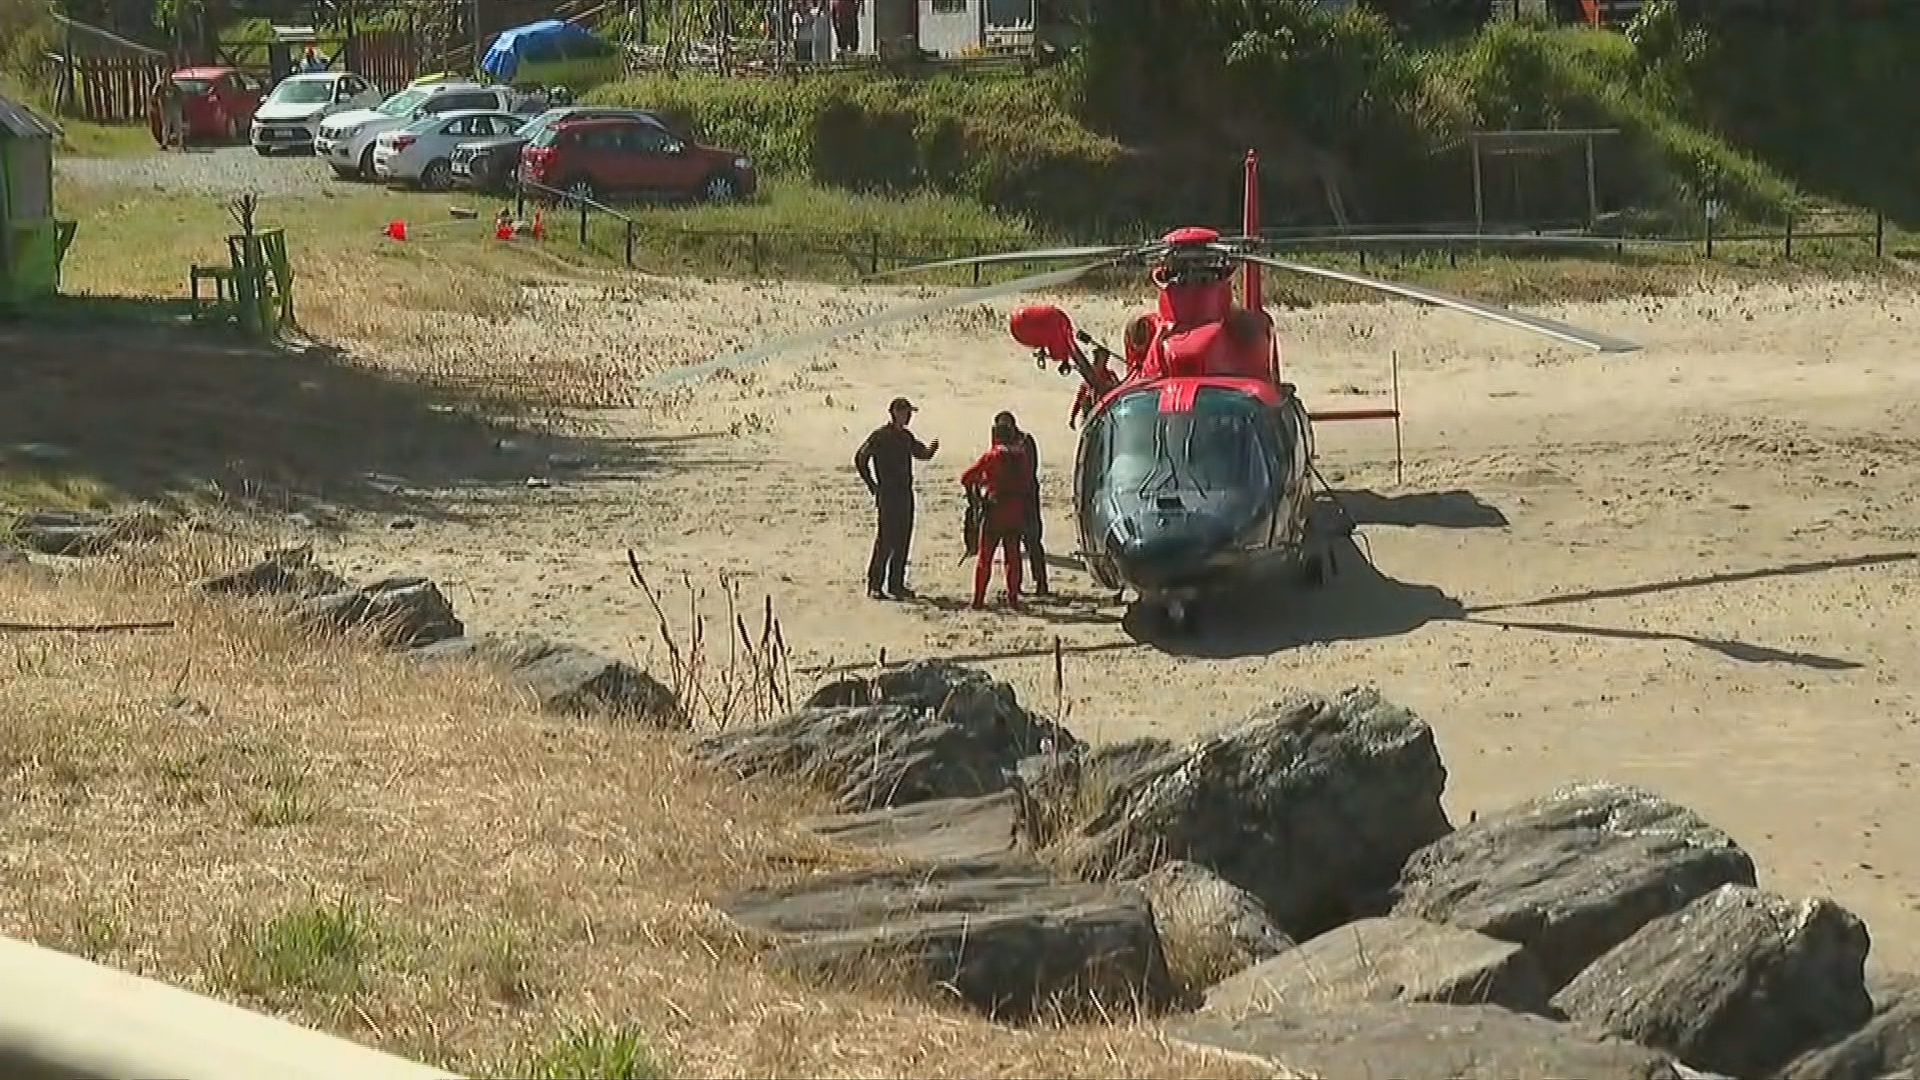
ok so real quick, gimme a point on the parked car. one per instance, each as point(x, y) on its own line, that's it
point(492, 164)
point(345, 141)
point(592, 156)
point(218, 103)
point(291, 114)
point(419, 152)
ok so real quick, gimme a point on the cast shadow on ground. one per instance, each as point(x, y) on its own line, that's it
point(1456, 509)
point(115, 398)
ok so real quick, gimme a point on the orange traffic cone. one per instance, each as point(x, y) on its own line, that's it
point(503, 229)
point(539, 226)
point(396, 229)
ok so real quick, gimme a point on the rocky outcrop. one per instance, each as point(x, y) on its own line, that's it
point(566, 679)
point(936, 830)
point(80, 533)
point(286, 571)
point(1385, 960)
point(403, 612)
point(1004, 935)
point(928, 731)
point(1887, 1047)
point(1209, 926)
point(1312, 805)
point(1414, 1041)
point(1572, 874)
point(1739, 981)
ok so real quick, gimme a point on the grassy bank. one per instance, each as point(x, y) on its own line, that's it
point(412, 859)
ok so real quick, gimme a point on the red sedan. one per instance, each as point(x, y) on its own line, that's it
point(218, 104)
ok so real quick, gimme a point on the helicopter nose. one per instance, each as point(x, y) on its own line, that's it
point(1160, 556)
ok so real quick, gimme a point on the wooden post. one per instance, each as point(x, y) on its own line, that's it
point(873, 252)
point(1593, 190)
point(629, 243)
point(1789, 236)
point(1479, 196)
point(1879, 235)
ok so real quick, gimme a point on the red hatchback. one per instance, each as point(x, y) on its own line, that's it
point(219, 104)
point(594, 156)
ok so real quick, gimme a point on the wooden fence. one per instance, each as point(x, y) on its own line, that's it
point(109, 89)
point(388, 58)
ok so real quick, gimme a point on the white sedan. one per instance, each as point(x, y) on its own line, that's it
point(419, 153)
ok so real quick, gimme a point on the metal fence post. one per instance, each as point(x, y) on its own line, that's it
point(753, 241)
point(1709, 220)
point(519, 201)
point(873, 252)
point(1879, 235)
point(629, 243)
point(1789, 236)
point(583, 223)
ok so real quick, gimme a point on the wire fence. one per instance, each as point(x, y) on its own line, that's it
point(638, 242)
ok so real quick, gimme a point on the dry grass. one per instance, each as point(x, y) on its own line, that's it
point(411, 858)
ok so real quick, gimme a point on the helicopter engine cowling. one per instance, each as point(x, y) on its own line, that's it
point(1044, 327)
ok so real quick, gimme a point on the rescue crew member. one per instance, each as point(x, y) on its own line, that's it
point(1002, 473)
point(1030, 536)
point(1085, 397)
point(885, 463)
point(173, 115)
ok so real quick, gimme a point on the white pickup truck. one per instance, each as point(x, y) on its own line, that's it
point(346, 139)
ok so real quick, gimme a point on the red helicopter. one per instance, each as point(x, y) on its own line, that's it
point(1194, 468)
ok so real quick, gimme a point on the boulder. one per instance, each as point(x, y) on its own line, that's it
point(1311, 805)
point(1888, 1046)
point(1003, 934)
point(567, 679)
point(1418, 1041)
point(65, 532)
point(286, 571)
point(1571, 874)
point(1739, 981)
point(1210, 928)
point(1060, 791)
point(406, 612)
point(934, 731)
point(1379, 960)
point(937, 830)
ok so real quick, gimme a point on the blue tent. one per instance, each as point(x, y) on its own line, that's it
point(544, 40)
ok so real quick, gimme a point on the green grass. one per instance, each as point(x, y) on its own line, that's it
point(592, 1052)
point(322, 947)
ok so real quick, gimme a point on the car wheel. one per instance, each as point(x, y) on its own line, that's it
point(366, 163)
point(721, 188)
point(343, 172)
point(581, 189)
point(263, 151)
point(437, 176)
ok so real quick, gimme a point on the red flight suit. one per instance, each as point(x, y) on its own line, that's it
point(1002, 472)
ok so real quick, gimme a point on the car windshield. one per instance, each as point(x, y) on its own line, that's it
point(302, 92)
point(546, 136)
point(402, 103)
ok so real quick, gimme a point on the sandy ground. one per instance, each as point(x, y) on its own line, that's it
point(1688, 567)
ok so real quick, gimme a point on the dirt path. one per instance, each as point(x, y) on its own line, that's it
point(1688, 567)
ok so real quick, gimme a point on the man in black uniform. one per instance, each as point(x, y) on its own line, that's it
point(1036, 552)
point(885, 463)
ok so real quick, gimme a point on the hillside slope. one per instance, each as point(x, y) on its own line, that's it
point(1354, 119)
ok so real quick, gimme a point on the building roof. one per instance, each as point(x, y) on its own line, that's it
point(19, 122)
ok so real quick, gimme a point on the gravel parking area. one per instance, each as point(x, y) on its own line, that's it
point(226, 170)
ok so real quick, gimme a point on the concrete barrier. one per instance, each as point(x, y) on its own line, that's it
point(63, 1018)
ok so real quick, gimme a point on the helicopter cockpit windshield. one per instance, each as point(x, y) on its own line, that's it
point(1164, 491)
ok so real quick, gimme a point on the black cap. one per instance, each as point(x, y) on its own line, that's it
point(901, 404)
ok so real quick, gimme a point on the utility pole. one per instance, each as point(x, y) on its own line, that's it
point(473, 16)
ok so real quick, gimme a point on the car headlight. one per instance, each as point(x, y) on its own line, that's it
point(743, 164)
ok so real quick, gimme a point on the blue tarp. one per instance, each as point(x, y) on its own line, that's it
point(548, 36)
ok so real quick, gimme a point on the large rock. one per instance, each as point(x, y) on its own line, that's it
point(937, 830)
point(1572, 874)
point(567, 679)
point(1414, 1041)
point(1209, 927)
point(1003, 935)
point(65, 532)
point(1739, 981)
point(1311, 805)
point(405, 612)
point(933, 731)
point(1378, 960)
point(286, 571)
point(1888, 1046)
point(1061, 791)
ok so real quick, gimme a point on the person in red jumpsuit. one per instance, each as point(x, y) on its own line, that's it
point(1003, 475)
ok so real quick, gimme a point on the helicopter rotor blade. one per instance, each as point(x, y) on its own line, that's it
point(816, 338)
point(1559, 331)
point(1037, 255)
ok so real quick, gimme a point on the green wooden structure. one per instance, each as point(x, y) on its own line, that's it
point(254, 288)
point(32, 243)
